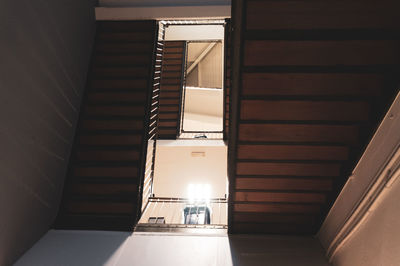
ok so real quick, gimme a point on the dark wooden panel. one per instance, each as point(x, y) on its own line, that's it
point(320, 53)
point(167, 108)
point(129, 124)
point(120, 72)
point(175, 50)
point(125, 36)
point(167, 123)
point(110, 140)
point(110, 97)
point(274, 218)
point(100, 207)
point(297, 197)
point(272, 228)
point(309, 87)
point(115, 110)
point(104, 189)
point(292, 169)
point(164, 101)
point(170, 44)
point(169, 95)
point(115, 84)
point(117, 172)
point(126, 26)
point(292, 152)
point(122, 60)
point(168, 55)
point(173, 88)
point(275, 183)
point(173, 62)
point(312, 84)
point(176, 82)
point(124, 48)
point(321, 14)
point(168, 115)
point(170, 132)
point(106, 155)
point(304, 110)
point(298, 133)
point(176, 74)
point(176, 68)
point(276, 208)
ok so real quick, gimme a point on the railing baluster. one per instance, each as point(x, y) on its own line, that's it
point(171, 209)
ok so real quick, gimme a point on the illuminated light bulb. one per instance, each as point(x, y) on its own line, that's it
point(207, 192)
point(191, 191)
point(199, 192)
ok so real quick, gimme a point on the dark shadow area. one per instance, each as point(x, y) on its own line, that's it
point(252, 250)
point(45, 48)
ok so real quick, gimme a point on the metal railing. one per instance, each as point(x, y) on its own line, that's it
point(175, 212)
point(201, 135)
point(152, 131)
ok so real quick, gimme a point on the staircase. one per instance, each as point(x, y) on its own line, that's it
point(311, 81)
point(227, 76)
point(105, 173)
point(171, 89)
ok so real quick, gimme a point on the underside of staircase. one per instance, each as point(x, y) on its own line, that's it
point(306, 85)
point(103, 184)
point(311, 81)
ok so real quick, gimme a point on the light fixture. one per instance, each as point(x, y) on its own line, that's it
point(199, 193)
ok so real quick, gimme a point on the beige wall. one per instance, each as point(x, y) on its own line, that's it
point(203, 109)
point(377, 241)
point(208, 72)
point(210, 68)
point(198, 122)
point(176, 168)
point(194, 32)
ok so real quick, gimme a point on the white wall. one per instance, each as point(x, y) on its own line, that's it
point(119, 249)
point(176, 168)
point(377, 241)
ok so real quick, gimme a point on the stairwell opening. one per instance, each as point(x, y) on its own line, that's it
point(185, 186)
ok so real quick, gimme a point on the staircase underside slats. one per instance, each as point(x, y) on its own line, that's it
point(102, 185)
point(227, 76)
point(171, 89)
point(313, 80)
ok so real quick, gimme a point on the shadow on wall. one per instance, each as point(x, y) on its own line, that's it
point(45, 48)
point(88, 248)
point(250, 250)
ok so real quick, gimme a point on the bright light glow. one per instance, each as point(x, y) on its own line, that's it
point(191, 193)
point(199, 192)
